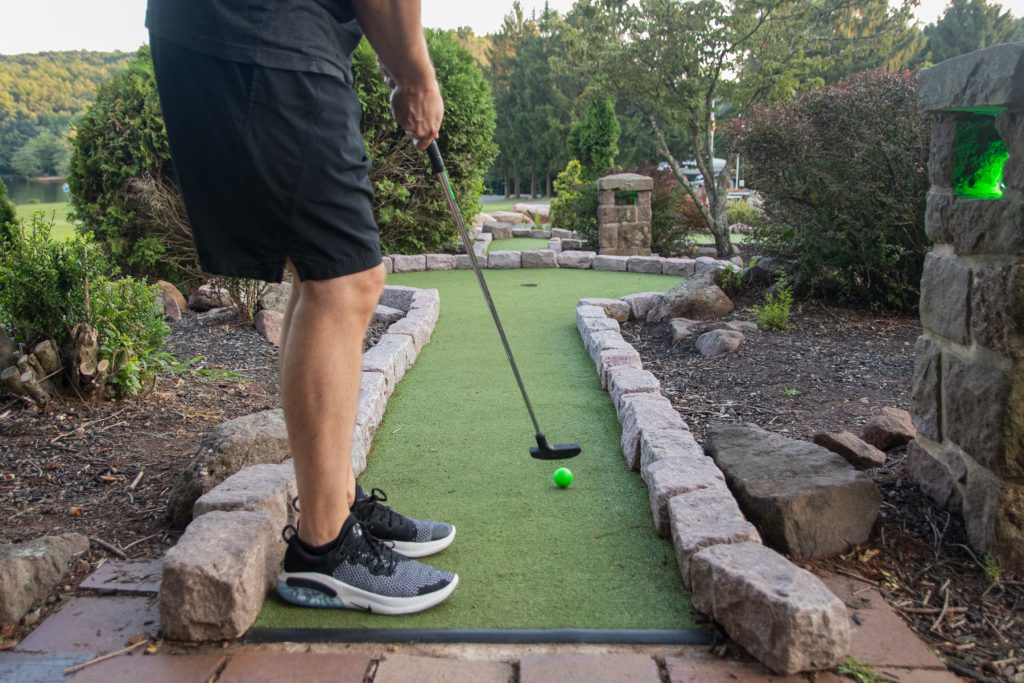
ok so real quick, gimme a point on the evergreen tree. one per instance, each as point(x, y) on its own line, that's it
point(969, 25)
point(594, 140)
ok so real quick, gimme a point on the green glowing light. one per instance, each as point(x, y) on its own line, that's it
point(978, 159)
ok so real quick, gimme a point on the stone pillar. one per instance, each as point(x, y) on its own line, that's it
point(968, 398)
point(624, 215)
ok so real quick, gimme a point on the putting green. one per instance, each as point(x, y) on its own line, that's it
point(454, 446)
point(518, 244)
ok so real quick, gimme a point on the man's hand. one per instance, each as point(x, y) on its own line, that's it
point(393, 29)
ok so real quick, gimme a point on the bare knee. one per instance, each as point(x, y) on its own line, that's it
point(356, 294)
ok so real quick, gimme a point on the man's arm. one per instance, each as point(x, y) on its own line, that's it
point(394, 30)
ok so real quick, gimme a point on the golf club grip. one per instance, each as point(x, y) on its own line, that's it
point(436, 162)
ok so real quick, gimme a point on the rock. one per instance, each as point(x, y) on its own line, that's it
point(662, 444)
point(504, 259)
point(625, 380)
point(861, 455)
point(806, 501)
point(206, 297)
point(396, 296)
point(498, 231)
point(702, 518)
point(645, 306)
point(642, 412)
point(270, 324)
point(275, 296)
point(612, 264)
point(894, 427)
point(744, 326)
point(168, 293)
point(387, 315)
point(671, 477)
point(781, 614)
point(7, 346)
point(440, 262)
point(575, 259)
point(762, 272)
point(254, 439)
point(645, 264)
point(572, 244)
point(462, 262)
point(737, 261)
point(509, 218)
point(932, 476)
point(389, 265)
point(539, 258)
point(171, 311)
point(535, 212)
point(216, 578)
point(613, 308)
point(259, 488)
point(717, 342)
point(695, 298)
point(406, 263)
point(682, 328)
point(30, 571)
point(684, 267)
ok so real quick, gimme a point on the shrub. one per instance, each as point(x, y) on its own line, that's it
point(595, 139)
point(575, 206)
point(673, 215)
point(742, 213)
point(8, 217)
point(49, 287)
point(409, 205)
point(774, 314)
point(842, 170)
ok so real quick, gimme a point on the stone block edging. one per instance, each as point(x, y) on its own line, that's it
point(743, 585)
point(258, 497)
point(562, 252)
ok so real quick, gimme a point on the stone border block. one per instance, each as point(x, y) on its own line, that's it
point(703, 518)
point(418, 324)
point(539, 258)
point(604, 341)
point(576, 259)
point(679, 267)
point(639, 413)
point(389, 266)
point(610, 359)
point(260, 488)
point(624, 380)
point(405, 263)
point(671, 477)
point(663, 444)
point(440, 262)
point(778, 612)
point(645, 264)
point(497, 260)
point(613, 308)
point(397, 296)
point(611, 264)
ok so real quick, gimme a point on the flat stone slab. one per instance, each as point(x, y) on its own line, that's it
point(408, 669)
point(781, 614)
point(581, 668)
point(274, 666)
point(94, 625)
point(152, 669)
point(703, 518)
point(711, 669)
point(806, 501)
point(625, 181)
point(138, 577)
point(993, 77)
point(642, 412)
point(20, 667)
point(671, 477)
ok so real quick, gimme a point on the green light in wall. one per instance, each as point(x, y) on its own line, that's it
point(978, 159)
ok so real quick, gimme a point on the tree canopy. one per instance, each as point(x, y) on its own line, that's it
point(969, 25)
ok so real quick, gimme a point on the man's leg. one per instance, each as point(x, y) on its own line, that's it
point(321, 360)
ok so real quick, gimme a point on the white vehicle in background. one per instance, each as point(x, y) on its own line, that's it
point(690, 170)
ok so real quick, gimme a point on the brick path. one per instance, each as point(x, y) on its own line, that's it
point(88, 626)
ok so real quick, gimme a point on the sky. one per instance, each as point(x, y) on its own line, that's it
point(41, 25)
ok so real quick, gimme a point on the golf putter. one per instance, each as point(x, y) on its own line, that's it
point(543, 450)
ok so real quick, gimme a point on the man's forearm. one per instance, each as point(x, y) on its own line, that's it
point(394, 30)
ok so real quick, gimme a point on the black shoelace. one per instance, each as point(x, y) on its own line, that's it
point(379, 512)
point(368, 550)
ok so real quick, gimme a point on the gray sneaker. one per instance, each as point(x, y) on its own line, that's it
point(359, 571)
point(411, 537)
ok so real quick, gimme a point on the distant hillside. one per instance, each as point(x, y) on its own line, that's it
point(46, 92)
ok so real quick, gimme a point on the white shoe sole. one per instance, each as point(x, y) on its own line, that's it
point(410, 549)
point(312, 589)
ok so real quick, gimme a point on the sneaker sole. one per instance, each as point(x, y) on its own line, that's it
point(411, 549)
point(312, 589)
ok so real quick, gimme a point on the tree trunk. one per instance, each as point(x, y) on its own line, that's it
point(547, 190)
point(82, 350)
point(508, 187)
point(33, 389)
point(11, 379)
point(518, 194)
point(49, 359)
point(533, 184)
point(718, 192)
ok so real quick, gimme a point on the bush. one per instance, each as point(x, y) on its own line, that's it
point(124, 189)
point(774, 314)
point(842, 170)
point(673, 214)
point(575, 205)
point(49, 287)
point(742, 213)
point(595, 139)
point(409, 204)
point(8, 217)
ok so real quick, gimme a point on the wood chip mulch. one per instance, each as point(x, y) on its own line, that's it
point(833, 370)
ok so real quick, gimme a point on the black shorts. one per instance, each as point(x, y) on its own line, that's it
point(271, 166)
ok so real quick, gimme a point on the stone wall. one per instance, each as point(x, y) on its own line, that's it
point(624, 229)
point(968, 398)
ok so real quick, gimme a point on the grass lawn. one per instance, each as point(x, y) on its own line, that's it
point(454, 446)
point(518, 244)
point(509, 204)
point(705, 238)
point(62, 227)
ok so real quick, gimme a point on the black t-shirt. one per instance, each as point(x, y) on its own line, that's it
point(298, 35)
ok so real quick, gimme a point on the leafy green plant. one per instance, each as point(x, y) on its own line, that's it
point(130, 321)
point(245, 294)
point(862, 673)
point(730, 280)
point(8, 216)
point(774, 314)
point(575, 207)
point(789, 391)
point(993, 567)
point(745, 214)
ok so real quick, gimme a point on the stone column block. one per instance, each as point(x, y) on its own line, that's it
point(997, 309)
point(993, 511)
point(940, 156)
point(926, 398)
point(606, 198)
point(1011, 129)
point(778, 612)
point(975, 409)
point(608, 237)
point(932, 475)
point(945, 297)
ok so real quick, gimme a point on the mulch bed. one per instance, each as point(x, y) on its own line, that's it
point(833, 370)
point(105, 469)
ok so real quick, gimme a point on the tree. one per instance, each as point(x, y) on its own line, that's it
point(594, 140)
point(7, 217)
point(45, 154)
point(969, 25)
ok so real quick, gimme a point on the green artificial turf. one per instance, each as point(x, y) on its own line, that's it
point(454, 446)
point(518, 244)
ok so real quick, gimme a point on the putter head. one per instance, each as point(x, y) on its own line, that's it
point(561, 451)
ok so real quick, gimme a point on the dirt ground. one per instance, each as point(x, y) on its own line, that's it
point(832, 370)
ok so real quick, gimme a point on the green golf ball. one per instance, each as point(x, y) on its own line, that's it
point(562, 477)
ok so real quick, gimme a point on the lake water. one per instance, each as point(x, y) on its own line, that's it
point(24, 191)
